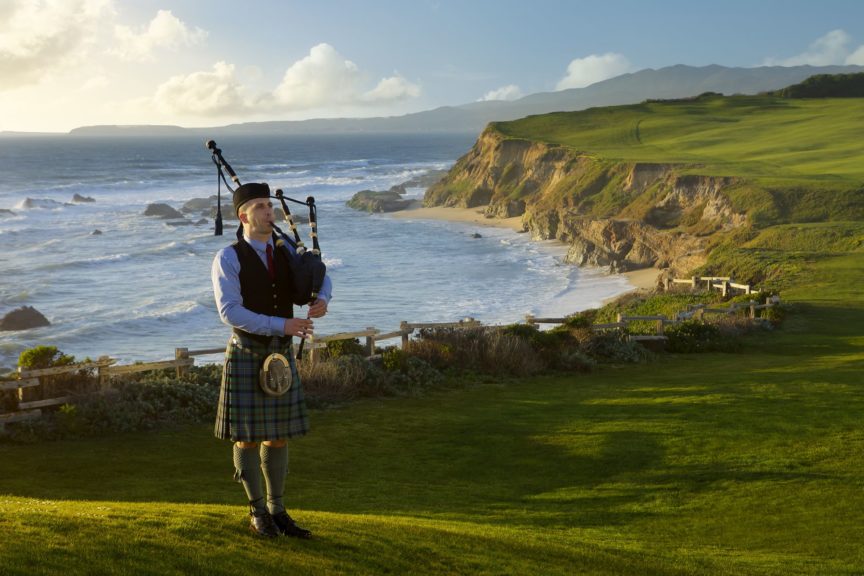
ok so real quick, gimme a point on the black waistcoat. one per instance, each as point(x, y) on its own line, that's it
point(260, 293)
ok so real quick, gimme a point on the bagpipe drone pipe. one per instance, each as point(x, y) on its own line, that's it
point(307, 267)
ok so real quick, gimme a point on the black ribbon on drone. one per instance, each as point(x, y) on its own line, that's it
point(307, 267)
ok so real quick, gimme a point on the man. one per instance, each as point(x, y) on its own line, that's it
point(252, 284)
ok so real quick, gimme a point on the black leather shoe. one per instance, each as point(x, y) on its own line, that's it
point(288, 527)
point(263, 525)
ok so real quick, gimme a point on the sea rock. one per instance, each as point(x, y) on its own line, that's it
point(476, 235)
point(182, 222)
point(6, 212)
point(162, 211)
point(227, 212)
point(29, 203)
point(80, 199)
point(96, 232)
point(23, 318)
point(372, 201)
point(198, 204)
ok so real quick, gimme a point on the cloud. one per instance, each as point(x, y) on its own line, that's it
point(832, 48)
point(38, 38)
point(856, 57)
point(326, 78)
point(212, 93)
point(586, 71)
point(323, 77)
point(165, 31)
point(508, 92)
point(392, 89)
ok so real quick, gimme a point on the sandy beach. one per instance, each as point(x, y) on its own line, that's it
point(644, 279)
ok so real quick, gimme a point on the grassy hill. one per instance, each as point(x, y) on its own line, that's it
point(765, 138)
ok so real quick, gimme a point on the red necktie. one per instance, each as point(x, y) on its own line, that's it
point(270, 267)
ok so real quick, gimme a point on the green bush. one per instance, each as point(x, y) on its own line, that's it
point(439, 355)
point(43, 357)
point(508, 351)
point(338, 348)
point(339, 380)
point(613, 346)
point(131, 406)
point(695, 336)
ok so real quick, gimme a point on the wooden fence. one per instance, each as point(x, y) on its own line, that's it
point(28, 382)
point(27, 385)
point(724, 284)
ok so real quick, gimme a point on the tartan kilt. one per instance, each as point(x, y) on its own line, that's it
point(245, 413)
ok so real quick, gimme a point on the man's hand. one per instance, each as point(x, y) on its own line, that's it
point(318, 308)
point(300, 327)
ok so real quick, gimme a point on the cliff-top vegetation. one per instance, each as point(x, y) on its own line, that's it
point(756, 137)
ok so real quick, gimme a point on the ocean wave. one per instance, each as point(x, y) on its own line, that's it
point(40, 204)
point(169, 312)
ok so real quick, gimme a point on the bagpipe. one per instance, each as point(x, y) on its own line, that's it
point(307, 267)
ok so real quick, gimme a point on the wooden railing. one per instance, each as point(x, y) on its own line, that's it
point(724, 284)
point(106, 367)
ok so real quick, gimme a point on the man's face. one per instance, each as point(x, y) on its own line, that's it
point(257, 214)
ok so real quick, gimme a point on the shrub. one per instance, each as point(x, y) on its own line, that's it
point(61, 384)
point(693, 336)
point(339, 380)
point(339, 348)
point(131, 406)
point(612, 346)
point(437, 354)
point(506, 354)
point(43, 357)
point(511, 350)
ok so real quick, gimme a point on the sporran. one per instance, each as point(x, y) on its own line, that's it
point(275, 376)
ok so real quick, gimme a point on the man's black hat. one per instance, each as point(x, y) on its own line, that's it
point(250, 191)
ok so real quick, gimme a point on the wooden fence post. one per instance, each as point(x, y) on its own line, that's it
point(529, 319)
point(694, 280)
point(102, 372)
point(660, 327)
point(724, 287)
point(403, 327)
point(667, 283)
point(181, 354)
point(370, 342)
point(752, 309)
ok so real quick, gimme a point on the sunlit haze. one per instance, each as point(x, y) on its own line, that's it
point(70, 63)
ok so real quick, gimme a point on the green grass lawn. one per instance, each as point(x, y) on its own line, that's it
point(746, 463)
point(776, 141)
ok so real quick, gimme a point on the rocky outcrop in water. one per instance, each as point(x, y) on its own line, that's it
point(23, 318)
point(372, 201)
point(162, 211)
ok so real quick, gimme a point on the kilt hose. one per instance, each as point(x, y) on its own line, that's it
point(245, 413)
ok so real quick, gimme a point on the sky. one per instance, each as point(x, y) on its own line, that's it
point(70, 63)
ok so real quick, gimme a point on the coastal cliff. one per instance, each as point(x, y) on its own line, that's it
point(624, 215)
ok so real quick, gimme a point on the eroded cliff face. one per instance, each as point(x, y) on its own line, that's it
point(621, 215)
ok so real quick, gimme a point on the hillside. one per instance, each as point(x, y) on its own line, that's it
point(662, 183)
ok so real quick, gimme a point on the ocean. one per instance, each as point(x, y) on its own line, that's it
point(141, 287)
